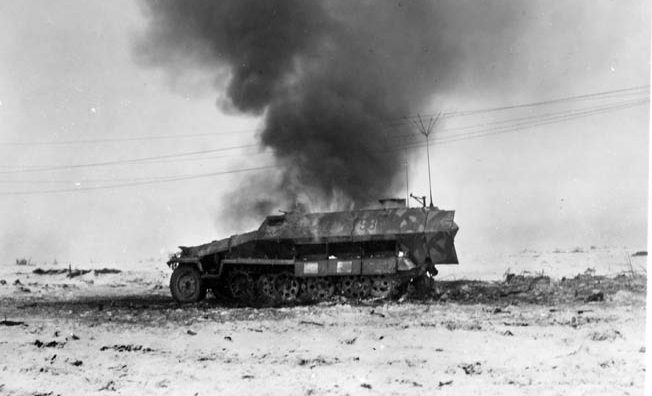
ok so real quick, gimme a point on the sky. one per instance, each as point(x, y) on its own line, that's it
point(74, 92)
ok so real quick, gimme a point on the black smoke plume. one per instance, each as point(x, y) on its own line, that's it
point(327, 75)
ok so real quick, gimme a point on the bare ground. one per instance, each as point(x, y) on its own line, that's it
point(122, 334)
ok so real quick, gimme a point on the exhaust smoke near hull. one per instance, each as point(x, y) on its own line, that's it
point(327, 76)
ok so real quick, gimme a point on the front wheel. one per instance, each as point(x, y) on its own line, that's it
point(186, 285)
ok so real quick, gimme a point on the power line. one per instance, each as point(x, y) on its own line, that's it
point(81, 180)
point(514, 128)
point(499, 127)
point(523, 120)
point(127, 161)
point(179, 156)
point(596, 95)
point(449, 139)
point(205, 158)
point(399, 121)
point(127, 139)
point(508, 126)
point(139, 183)
point(501, 130)
point(96, 180)
point(177, 160)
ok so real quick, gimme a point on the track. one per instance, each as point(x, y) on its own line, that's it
point(249, 286)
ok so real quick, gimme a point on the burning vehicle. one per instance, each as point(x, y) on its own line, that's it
point(313, 256)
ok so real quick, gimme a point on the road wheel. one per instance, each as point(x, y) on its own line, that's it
point(186, 285)
point(241, 286)
point(382, 286)
point(355, 286)
point(266, 287)
point(319, 289)
point(325, 289)
point(287, 287)
point(361, 287)
point(345, 284)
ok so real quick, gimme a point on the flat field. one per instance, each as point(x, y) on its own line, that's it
point(120, 333)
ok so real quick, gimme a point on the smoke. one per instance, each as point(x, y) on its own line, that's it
point(327, 76)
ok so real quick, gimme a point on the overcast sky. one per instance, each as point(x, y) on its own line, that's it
point(70, 82)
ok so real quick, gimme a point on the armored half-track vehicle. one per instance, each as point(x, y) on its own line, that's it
point(313, 256)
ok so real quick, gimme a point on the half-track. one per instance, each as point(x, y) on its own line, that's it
point(314, 256)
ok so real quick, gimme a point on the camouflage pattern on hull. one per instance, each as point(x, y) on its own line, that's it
point(425, 232)
point(351, 252)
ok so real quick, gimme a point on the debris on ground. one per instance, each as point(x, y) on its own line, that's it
point(71, 273)
point(535, 288)
point(471, 368)
point(517, 324)
point(309, 322)
point(77, 272)
point(318, 361)
point(53, 271)
point(127, 348)
point(596, 295)
point(605, 335)
point(106, 271)
point(410, 382)
point(110, 386)
point(51, 344)
point(11, 323)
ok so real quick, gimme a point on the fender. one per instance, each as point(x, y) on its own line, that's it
point(176, 261)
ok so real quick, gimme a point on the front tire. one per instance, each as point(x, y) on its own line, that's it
point(186, 285)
